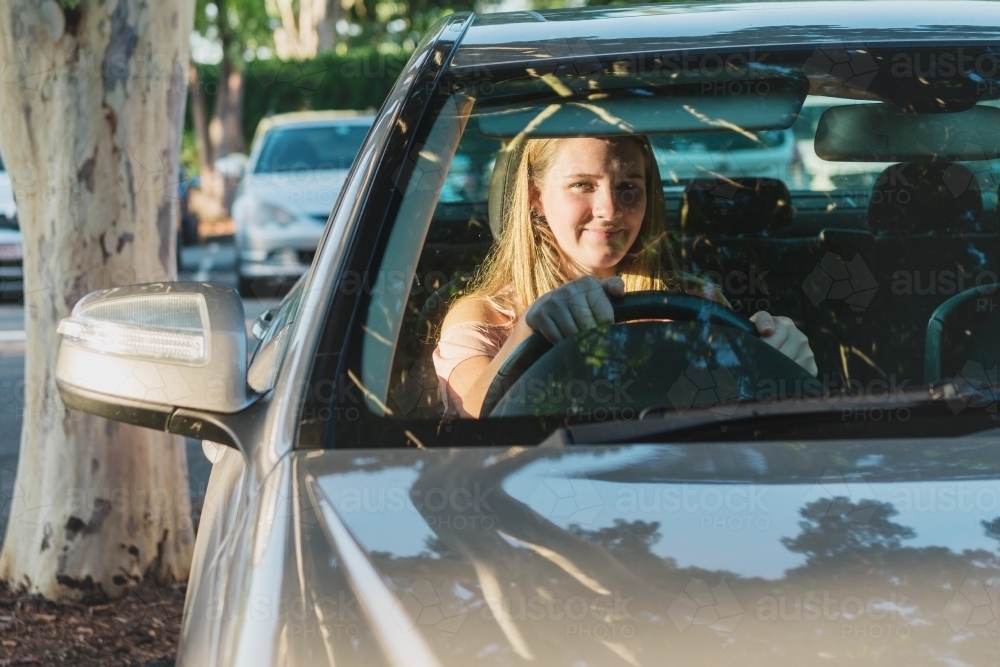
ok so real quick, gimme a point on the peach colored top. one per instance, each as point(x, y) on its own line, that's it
point(460, 343)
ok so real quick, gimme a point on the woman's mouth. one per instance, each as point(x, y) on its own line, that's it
point(603, 233)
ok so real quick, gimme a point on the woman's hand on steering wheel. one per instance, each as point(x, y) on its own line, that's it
point(584, 304)
point(574, 307)
point(782, 334)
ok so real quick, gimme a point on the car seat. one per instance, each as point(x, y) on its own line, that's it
point(931, 241)
point(925, 198)
point(733, 233)
point(963, 337)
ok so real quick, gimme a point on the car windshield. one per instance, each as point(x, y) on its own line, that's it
point(859, 214)
point(310, 148)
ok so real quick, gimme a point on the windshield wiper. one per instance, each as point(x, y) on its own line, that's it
point(944, 410)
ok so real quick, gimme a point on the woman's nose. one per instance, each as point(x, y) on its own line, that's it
point(606, 204)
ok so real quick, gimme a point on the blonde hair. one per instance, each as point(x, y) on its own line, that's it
point(526, 262)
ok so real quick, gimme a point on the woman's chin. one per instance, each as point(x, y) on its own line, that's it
point(602, 266)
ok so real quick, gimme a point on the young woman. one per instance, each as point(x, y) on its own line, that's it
point(585, 220)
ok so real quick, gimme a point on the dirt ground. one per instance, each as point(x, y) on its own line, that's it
point(140, 630)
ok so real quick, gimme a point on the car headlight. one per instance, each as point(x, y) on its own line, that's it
point(263, 214)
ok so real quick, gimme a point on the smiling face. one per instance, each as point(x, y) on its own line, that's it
point(593, 196)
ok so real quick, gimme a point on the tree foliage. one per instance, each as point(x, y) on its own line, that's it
point(837, 528)
point(241, 27)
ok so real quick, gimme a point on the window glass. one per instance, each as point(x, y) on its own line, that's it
point(855, 250)
point(310, 148)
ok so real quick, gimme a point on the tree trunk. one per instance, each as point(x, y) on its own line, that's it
point(302, 38)
point(199, 117)
point(326, 31)
point(91, 121)
point(232, 122)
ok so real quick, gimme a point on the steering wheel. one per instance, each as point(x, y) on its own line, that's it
point(652, 305)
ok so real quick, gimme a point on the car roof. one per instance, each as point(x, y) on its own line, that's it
point(528, 38)
point(317, 118)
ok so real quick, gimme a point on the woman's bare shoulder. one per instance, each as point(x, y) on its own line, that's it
point(474, 309)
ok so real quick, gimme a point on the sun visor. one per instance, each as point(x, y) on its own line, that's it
point(748, 105)
point(885, 133)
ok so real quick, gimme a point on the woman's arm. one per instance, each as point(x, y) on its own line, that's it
point(472, 378)
point(566, 310)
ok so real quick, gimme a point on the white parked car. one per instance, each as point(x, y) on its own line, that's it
point(290, 183)
point(11, 267)
point(766, 154)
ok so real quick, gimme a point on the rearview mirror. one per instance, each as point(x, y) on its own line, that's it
point(156, 355)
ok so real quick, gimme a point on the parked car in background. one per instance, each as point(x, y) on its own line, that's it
point(667, 489)
point(765, 154)
point(822, 175)
point(296, 168)
point(11, 257)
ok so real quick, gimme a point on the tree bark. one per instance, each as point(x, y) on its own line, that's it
point(91, 121)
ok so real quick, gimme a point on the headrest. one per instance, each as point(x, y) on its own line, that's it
point(916, 197)
point(502, 181)
point(735, 206)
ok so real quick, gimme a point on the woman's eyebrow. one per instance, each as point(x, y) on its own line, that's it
point(634, 174)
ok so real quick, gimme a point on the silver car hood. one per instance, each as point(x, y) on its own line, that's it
point(742, 554)
point(310, 193)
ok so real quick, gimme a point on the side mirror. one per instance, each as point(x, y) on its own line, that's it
point(158, 355)
point(231, 166)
